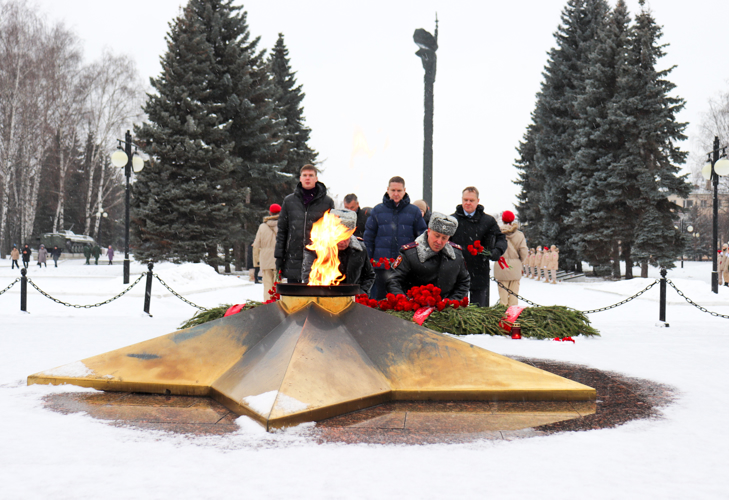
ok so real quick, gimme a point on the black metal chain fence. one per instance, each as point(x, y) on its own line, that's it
point(178, 295)
point(606, 308)
point(9, 286)
point(85, 306)
point(700, 308)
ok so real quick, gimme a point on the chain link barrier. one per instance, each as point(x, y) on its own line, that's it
point(9, 286)
point(178, 295)
point(700, 308)
point(86, 306)
point(607, 308)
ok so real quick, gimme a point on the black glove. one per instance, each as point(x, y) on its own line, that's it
point(279, 264)
point(495, 254)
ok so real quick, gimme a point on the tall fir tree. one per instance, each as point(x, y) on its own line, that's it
point(531, 181)
point(184, 204)
point(597, 185)
point(210, 137)
point(651, 154)
point(555, 118)
point(295, 150)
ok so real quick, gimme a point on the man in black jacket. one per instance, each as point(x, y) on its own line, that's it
point(475, 225)
point(432, 259)
point(354, 261)
point(299, 211)
point(352, 203)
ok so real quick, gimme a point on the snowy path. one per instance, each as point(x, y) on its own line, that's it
point(50, 455)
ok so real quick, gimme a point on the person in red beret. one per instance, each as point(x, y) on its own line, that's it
point(516, 255)
point(264, 246)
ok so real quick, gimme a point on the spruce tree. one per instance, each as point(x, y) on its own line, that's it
point(651, 155)
point(531, 180)
point(555, 118)
point(600, 221)
point(184, 204)
point(295, 151)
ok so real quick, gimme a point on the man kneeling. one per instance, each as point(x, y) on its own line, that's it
point(354, 262)
point(432, 259)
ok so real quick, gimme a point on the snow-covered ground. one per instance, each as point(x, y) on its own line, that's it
point(44, 454)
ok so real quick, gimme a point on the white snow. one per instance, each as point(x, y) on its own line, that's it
point(262, 403)
point(45, 454)
point(287, 404)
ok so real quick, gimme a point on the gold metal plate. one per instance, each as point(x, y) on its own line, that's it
point(310, 358)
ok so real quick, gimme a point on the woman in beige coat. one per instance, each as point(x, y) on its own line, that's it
point(264, 246)
point(515, 255)
point(552, 264)
point(530, 264)
point(724, 269)
point(538, 257)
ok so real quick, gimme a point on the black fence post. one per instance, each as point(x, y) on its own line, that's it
point(24, 290)
point(662, 307)
point(148, 290)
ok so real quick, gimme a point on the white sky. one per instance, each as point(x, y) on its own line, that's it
point(364, 84)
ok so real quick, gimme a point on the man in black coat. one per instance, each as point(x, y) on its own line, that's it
point(26, 255)
point(432, 259)
point(299, 211)
point(352, 203)
point(354, 261)
point(475, 225)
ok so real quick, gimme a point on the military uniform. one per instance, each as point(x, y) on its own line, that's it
point(445, 269)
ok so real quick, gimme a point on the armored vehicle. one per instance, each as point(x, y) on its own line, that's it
point(67, 240)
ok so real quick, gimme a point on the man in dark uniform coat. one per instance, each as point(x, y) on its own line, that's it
point(354, 261)
point(298, 213)
point(432, 259)
point(475, 225)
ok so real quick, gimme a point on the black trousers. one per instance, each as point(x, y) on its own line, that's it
point(479, 297)
point(379, 288)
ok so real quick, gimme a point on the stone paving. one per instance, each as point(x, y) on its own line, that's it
point(619, 400)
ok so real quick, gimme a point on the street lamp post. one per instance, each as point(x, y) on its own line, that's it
point(101, 215)
point(719, 165)
point(130, 161)
point(428, 45)
point(689, 229)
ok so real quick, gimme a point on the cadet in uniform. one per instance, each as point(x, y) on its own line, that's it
point(432, 259)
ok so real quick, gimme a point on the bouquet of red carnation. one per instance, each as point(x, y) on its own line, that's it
point(383, 262)
point(273, 294)
point(478, 249)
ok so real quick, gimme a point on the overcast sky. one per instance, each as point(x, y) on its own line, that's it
point(364, 83)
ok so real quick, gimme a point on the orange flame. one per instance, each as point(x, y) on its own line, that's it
point(325, 234)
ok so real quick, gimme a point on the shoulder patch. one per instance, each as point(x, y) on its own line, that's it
point(455, 245)
point(397, 262)
point(410, 245)
point(360, 239)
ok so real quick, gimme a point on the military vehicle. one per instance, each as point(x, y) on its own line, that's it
point(68, 241)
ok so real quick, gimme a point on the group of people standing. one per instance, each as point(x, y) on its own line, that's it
point(54, 253)
point(396, 245)
point(542, 263)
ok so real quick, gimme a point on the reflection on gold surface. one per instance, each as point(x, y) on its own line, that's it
point(312, 358)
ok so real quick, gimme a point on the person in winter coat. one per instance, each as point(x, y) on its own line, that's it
point(354, 261)
point(299, 211)
point(516, 255)
point(264, 247)
point(42, 255)
point(393, 223)
point(432, 259)
point(87, 254)
point(553, 264)
point(110, 255)
point(14, 256)
point(424, 209)
point(530, 264)
point(55, 254)
point(476, 225)
point(538, 263)
point(724, 271)
point(96, 252)
point(26, 252)
point(351, 203)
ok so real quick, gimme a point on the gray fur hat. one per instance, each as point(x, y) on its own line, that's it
point(442, 223)
point(347, 217)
